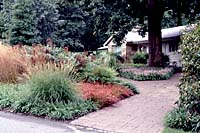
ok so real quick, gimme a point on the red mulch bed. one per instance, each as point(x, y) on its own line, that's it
point(104, 94)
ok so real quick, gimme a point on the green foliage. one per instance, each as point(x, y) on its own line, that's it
point(49, 86)
point(154, 75)
point(189, 87)
point(70, 25)
point(5, 18)
point(108, 59)
point(169, 130)
point(140, 58)
point(23, 29)
point(10, 93)
point(132, 65)
point(182, 119)
point(46, 95)
point(99, 73)
point(46, 17)
point(59, 111)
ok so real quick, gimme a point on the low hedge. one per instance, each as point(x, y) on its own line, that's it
point(146, 77)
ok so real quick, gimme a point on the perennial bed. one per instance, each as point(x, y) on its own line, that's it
point(53, 83)
point(146, 73)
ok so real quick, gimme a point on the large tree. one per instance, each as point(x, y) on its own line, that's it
point(70, 25)
point(182, 10)
point(5, 18)
point(23, 25)
point(149, 15)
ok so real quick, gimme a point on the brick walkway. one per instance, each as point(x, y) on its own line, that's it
point(143, 113)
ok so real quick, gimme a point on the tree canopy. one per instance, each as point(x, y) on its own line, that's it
point(86, 24)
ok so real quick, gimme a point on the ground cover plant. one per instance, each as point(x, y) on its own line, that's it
point(58, 84)
point(146, 73)
point(169, 130)
point(187, 115)
point(106, 94)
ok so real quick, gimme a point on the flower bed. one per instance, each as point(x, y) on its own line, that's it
point(47, 84)
point(146, 73)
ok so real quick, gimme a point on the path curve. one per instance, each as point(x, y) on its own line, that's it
point(142, 113)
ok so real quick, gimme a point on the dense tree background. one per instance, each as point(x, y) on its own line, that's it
point(86, 24)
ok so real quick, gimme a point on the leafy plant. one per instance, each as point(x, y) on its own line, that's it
point(170, 130)
point(180, 118)
point(59, 111)
point(140, 58)
point(94, 73)
point(145, 73)
point(49, 94)
point(187, 117)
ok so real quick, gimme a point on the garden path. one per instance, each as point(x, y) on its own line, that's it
point(143, 113)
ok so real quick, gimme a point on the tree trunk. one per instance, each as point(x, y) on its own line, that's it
point(154, 31)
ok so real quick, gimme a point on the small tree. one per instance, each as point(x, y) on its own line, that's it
point(23, 29)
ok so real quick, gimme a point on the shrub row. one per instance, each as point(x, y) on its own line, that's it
point(146, 77)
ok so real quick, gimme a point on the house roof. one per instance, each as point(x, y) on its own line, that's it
point(134, 37)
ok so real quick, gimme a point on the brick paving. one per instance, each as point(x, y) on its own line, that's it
point(142, 113)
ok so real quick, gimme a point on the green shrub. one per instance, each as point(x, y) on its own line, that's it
point(154, 75)
point(140, 58)
point(9, 93)
point(49, 86)
point(182, 119)
point(99, 73)
point(190, 85)
point(109, 60)
point(170, 130)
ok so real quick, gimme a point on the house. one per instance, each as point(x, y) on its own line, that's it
point(135, 42)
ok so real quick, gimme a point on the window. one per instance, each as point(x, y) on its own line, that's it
point(173, 46)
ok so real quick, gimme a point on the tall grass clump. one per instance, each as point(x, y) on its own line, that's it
point(52, 87)
point(12, 65)
point(52, 94)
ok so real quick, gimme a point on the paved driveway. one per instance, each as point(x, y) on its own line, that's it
point(143, 113)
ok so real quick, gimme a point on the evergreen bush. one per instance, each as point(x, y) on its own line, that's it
point(190, 86)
